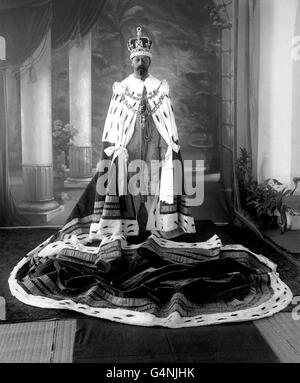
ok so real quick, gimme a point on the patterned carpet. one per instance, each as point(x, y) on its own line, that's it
point(15, 243)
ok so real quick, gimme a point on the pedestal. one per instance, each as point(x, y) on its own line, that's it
point(39, 205)
point(80, 167)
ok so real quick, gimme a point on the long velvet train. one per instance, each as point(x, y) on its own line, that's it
point(156, 283)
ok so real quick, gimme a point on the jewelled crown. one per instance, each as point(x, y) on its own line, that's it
point(139, 46)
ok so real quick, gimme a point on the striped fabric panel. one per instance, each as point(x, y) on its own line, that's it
point(98, 298)
point(243, 257)
point(105, 296)
point(79, 225)
point(181, 255)
point(109, 251)
point(43, 286)
point(173, 255)
point(80, 220)
point(94, 301)
point(179, 206)
point(111, 208)
point(98, 210)
point(78, 257)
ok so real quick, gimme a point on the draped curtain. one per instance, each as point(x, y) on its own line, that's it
point(73, 17)
point(247, 69)
point(24, 28)
point(8, 211)
point(247, 89)
point(24, 24)
point(239, 72)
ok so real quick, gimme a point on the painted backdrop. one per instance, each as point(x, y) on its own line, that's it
point(185, 53)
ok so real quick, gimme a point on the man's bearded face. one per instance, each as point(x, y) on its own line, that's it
point(141, 64)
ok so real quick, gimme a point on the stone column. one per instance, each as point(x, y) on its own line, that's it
point(277, 23)
point(2, 48)
point(80, 112)
point(36, 122)
point(296, 100)
point(13, 116)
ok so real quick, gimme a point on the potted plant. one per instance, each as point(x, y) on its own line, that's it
point(267, 201)
point(263, 201)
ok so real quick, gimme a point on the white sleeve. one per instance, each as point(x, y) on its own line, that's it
point(167, 105)
point(115, 106)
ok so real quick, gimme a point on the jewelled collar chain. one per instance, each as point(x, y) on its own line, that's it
point(138, 97)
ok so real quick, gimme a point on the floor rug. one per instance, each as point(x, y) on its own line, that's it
point(26, 342)
point(37, 342)
point(289, 241)
point(101, 341)
point(282, 333)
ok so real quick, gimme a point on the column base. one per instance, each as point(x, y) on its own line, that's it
point(80, 158)
point(40, 212)
point(2, 309)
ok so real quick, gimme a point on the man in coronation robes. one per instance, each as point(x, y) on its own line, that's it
point(90, 266)
point(140, 129)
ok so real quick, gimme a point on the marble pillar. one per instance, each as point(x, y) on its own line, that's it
point(80, 112)
point(36, 128)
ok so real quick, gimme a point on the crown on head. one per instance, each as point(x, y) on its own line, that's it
point(139, 46)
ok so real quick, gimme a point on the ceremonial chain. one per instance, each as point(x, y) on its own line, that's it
point(151, 111)
point(138, 96)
